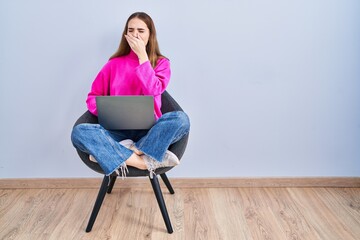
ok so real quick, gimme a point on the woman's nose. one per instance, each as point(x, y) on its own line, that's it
point(135, 34)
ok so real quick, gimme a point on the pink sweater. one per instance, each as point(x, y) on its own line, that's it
point(125, 76)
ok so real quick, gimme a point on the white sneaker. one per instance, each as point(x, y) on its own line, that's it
point(91, 158)
point(170, 159)
point(128, 143)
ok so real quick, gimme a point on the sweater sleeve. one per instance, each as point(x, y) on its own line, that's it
point(154, 80)
point(100, 87)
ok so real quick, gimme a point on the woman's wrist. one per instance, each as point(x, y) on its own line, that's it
point(143, 58)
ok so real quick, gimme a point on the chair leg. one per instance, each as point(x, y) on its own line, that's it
point(99, 200)
point(111, 184)
point(167, 183)
point(160, 199)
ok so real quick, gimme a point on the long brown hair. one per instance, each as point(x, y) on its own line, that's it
point(152, 47)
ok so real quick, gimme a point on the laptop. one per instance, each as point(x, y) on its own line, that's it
point(125, 112)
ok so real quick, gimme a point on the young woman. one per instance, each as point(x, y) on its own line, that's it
point(136, 68)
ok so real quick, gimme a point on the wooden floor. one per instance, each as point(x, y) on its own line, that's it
point(196, 213)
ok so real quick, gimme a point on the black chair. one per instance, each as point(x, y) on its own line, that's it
point(178, 148)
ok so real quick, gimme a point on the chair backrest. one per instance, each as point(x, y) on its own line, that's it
point(168, 105)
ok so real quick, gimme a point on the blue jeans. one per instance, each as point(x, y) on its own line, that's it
point(104, 145)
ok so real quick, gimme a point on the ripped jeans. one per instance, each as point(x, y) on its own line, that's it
point(104, 145)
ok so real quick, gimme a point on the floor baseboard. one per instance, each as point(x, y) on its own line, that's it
point(143, 182)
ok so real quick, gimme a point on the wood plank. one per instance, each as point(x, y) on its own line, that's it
point(348, 199)
point(259, 217)
point(323, 220)
point(345, 215)
point(199, 220)
point(229, 213)
point(196, 213)
point(141, 182)
point(289, 215)
point(71, 214)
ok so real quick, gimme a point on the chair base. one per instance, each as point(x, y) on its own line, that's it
point(107, 186)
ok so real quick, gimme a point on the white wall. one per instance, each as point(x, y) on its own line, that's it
point(271, 87)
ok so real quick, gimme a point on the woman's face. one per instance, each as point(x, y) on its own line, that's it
point(137, 28)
